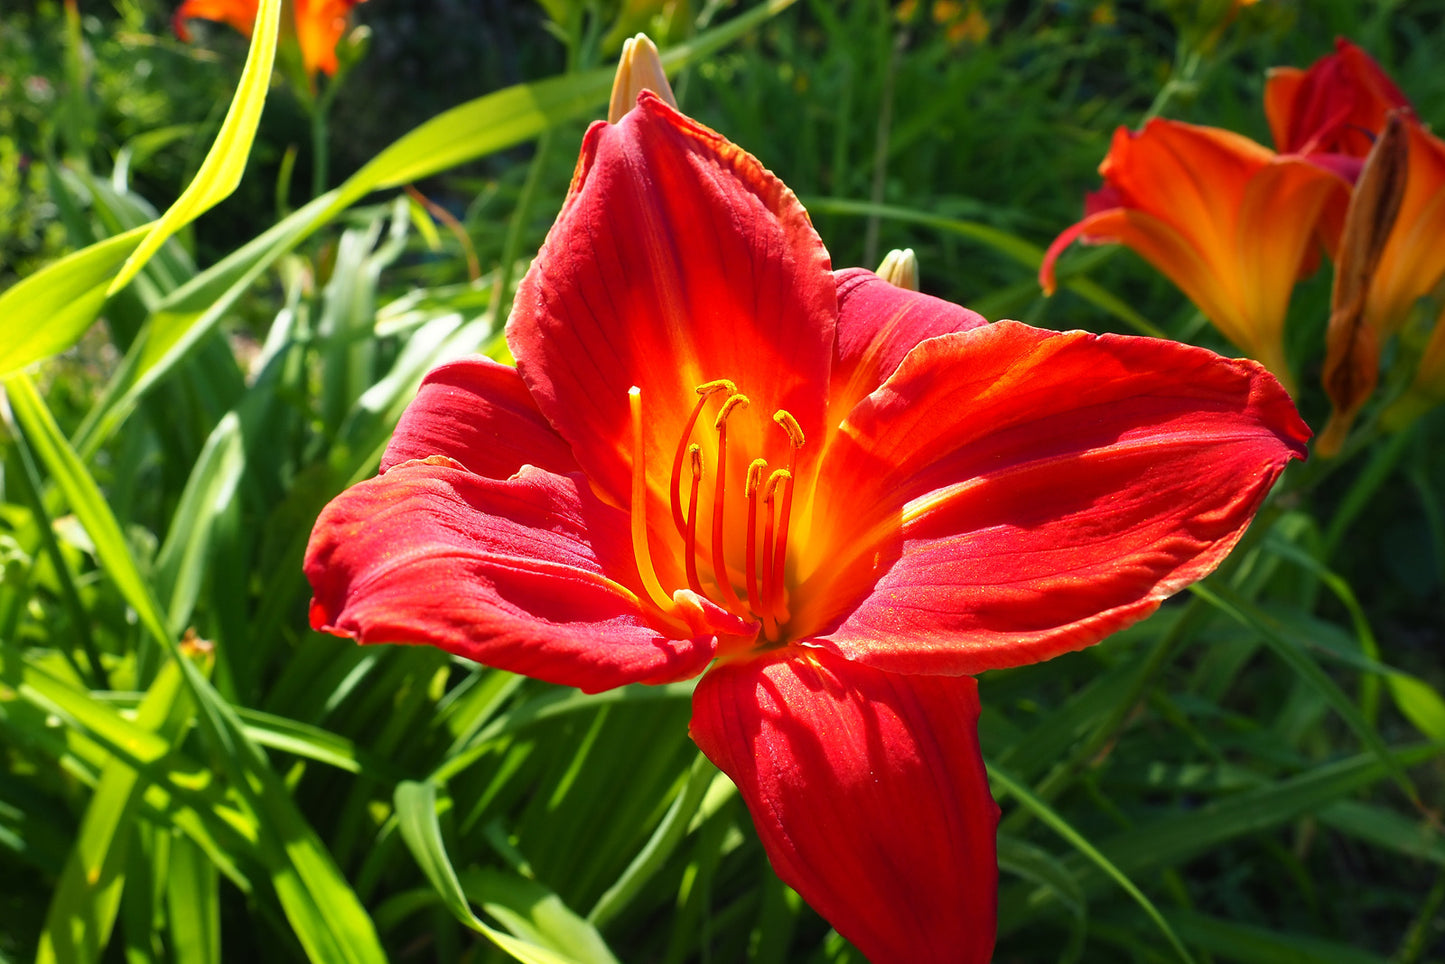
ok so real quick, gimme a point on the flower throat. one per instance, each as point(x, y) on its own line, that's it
point(763, 563)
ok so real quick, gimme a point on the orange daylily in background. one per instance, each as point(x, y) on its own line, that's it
point(1226, 219)
point(1331, 112)
point(1409, 263)
point(319, 25)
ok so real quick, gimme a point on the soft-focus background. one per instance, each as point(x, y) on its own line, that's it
point(1255, 774)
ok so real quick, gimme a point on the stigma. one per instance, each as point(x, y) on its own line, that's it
point(737, 556)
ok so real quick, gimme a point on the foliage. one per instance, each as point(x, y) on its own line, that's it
point(188, 773)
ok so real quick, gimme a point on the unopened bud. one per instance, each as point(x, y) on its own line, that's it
point(900, 269)
point(638, 69)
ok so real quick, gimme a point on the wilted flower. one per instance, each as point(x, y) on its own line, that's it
point(1390, 258)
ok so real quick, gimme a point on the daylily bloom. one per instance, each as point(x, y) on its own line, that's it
point(848, 495)
point(318, 25)
point(1226, 219)
point(1374, 300)
point(1331, 112)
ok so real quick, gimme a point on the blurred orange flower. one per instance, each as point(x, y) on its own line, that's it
point(1332, 111)
point(1226, 219)
point(319, 25)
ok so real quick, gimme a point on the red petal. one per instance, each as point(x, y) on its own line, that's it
point(478, 412)
point(532, 575)
point(677, 260)
point(1337, 106)
point(1036, 491)
point(869, 795)
point(878, 324)
point(240, 15)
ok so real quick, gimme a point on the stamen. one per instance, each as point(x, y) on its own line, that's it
point(777, 606)
point(771, 571)
point(719, 564)
point(755, 481)
point(694, 454)
point(640, 549)
point(704, 390)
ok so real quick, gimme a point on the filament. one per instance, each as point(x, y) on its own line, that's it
point(754, 482)
point(694, 455)
point(719, 565)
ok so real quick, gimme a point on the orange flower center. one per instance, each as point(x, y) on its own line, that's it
point(769, 498)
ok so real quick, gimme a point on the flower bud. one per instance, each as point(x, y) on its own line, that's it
point(900, 269)
point(638, 69)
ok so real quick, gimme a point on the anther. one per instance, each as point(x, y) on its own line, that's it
point(785, 420)
point(694, 455)
point(750, 489)
point(719, 564)
point(640, 549)
point(733, 402)
point(704, 390)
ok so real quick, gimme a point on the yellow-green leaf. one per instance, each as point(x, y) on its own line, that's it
point(221, 171)
point(48, 311)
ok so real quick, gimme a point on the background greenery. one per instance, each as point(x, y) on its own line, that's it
point(1252, 775)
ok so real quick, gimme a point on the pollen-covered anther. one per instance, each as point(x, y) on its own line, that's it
point(789, 424)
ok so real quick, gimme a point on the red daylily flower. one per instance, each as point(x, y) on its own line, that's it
point(1226, 219)
point(1331, 112)
point(319, 25)
point(849, 495)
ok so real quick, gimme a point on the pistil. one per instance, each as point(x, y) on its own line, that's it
point(640, 549)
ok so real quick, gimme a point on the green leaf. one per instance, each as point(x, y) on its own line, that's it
point(180, 564)
point(84, 903)
point(221, 170)
point(1060, 826)
point(193, 905)
point(47, 312)
point(416, 811)
point(328, 918)
point(1269, 629)
point(1247, 944)
point(663, 842)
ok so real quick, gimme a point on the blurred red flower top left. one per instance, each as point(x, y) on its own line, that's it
point(319, 25)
